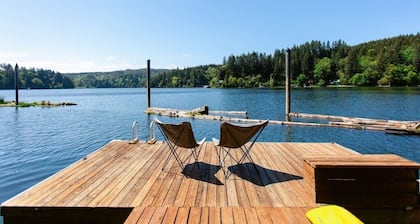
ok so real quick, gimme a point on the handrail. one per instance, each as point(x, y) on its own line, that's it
point(152, 133)
point(135, 131)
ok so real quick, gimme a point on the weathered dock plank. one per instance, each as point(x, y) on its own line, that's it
point(388, 126)
point(121, 179)
point(217, 215)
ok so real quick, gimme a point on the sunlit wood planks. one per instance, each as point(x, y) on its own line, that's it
point(217, 215)
point(126, 176)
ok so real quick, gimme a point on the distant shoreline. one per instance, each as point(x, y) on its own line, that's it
point(43, 103)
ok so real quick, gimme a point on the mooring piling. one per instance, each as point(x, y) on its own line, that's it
point(17, 84)
point(288, 78)
point(148, 84)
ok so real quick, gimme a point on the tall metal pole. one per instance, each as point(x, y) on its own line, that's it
point(148, 83)
point(17, 84)
point(288, 78)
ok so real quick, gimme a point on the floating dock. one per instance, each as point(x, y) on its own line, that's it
point(125, 183)
point(388, 126)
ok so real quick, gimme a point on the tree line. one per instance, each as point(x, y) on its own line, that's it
point(391, 61)
point(47, 79)
point(33, 78)
point(130, 78)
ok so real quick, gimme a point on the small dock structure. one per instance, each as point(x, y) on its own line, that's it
point(125, 183)
point(388, 126)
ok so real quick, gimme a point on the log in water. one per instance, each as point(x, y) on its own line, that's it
point(388, 126)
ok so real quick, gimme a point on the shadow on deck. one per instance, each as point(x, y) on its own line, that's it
point(122, 181)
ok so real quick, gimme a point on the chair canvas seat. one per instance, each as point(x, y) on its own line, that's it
point(179, 137)
point(237, 136)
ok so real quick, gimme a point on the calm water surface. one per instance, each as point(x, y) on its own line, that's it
point(37, 142)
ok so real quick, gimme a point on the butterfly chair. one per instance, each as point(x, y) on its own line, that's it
point(179, 136)
point(237, 136)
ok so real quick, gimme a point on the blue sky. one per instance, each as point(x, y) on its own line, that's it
point(107, 35)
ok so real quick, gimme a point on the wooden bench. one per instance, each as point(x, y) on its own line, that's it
point(363, 180)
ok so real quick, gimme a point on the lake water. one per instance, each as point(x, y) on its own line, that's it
point(37, 142)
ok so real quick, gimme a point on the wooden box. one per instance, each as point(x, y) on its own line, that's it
point(363, 180)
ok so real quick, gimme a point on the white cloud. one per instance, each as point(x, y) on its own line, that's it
point(12, 56)
point(113, 63)
point(70, 66)
point(65, 65)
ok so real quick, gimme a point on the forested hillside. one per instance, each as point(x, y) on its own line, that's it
point(47, 79)
point(392, 61)
point(33, 78)
point(117, 79)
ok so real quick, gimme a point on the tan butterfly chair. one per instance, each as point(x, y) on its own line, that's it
point(237, 136)
point(180, 137)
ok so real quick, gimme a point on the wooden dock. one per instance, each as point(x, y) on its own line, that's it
point(388, 126)
point(124, 183)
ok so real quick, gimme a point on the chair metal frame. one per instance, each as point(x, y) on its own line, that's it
point(228, 141)
point(174, 141)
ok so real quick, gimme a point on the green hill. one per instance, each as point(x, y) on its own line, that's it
point(391, 61)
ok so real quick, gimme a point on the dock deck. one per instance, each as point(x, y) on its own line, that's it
point(124, 183)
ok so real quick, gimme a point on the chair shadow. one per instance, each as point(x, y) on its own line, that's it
point(259, 175)
point(202, 172)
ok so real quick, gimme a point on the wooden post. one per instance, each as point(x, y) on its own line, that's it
point(148, 83)
point(288, 79)
point(17, 84)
